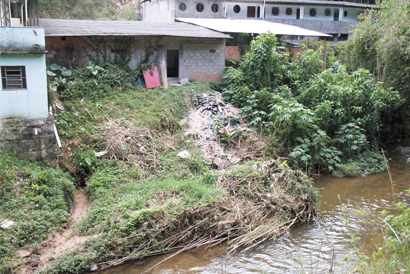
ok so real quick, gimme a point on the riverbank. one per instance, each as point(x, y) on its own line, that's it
point(145, 199)
point(313, 247)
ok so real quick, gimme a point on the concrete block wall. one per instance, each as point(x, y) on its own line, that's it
point(33, 139)
point(203, 61)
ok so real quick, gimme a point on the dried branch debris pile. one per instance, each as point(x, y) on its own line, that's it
point(257, 207)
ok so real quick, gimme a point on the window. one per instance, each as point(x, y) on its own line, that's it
point(182, 7)
point(236, 9)
point(328, 12)
point(275, 11)
point(312, 12)
point(215, 8)
point(200, 7)
point(289, 11)
point(13, 77)
point(345, 13)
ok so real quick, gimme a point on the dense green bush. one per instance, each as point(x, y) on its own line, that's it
point(380, 44)
point(95, 81)
point(321, 118)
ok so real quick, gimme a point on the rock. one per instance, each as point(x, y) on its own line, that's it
point(24, 253)
point(218, 162)
point(6, 224)
point(94, 267)
point(184, 154)
point(234, 160)
point(183, 121)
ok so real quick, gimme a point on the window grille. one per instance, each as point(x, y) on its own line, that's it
point(13, 77)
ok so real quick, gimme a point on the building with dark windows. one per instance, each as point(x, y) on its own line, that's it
point(325, 16)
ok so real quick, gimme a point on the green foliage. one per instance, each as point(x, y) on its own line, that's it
point(316, 116)
point(394, 256)
point(363, 164)
point(87, 9)
point(136, 203)
point(232, 63)
point(94, 81)
point(31, 195)
point(380, 44)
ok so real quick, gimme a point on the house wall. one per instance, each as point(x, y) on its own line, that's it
point(159, 11)
point(232, 52)
point(192, 12)
point(199, 59)
point(25, 127)
point(203, 60)
point(243, 13)
point(27, 103)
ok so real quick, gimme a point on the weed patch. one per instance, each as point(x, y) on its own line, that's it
point(32, 196)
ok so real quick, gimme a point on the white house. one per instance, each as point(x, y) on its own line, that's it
point(25, 126)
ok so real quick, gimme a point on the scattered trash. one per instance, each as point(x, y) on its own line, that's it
point(6, 224)
point(94, 267)
point(101, 153)
point(184, 154)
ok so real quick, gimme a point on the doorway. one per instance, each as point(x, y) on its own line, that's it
point(336, 15)
point(173, 63)
point(251, 12)
point(298, 14)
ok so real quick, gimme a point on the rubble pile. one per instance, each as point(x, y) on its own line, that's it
point(213, 118)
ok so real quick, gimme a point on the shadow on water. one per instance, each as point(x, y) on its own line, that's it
point(315, 247)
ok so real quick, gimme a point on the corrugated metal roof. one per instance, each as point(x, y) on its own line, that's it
point(230, 25)
point(64, 27)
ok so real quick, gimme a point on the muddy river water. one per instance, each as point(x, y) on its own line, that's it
point(315, 247)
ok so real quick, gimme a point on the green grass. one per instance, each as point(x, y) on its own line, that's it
point(369, 162)
point(124, 206)
point(31, 195)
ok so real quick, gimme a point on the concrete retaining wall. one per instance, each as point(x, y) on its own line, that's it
point(33, 139)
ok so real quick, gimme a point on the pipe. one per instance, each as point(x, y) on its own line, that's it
point(25, 6)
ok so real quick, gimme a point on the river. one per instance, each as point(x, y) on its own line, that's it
point(347, 208)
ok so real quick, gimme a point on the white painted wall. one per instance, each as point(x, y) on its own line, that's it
point(27, 103)
point(351, 15)
point(282, 12)
point(320, 13)
point(244, 10)
point(304, 9)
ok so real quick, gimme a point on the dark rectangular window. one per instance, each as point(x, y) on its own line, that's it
point(13, 77)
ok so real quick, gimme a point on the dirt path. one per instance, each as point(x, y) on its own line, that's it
point(59, 242)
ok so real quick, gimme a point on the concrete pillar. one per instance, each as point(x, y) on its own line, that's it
point(302, 12)
point(341, 14)
point(162, 66)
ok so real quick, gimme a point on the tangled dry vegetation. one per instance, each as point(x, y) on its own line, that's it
point(131, 144)
point(261, 200)
point(264, 204)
